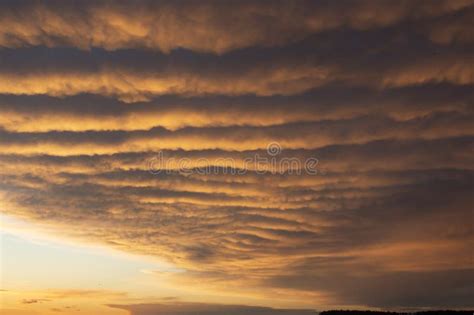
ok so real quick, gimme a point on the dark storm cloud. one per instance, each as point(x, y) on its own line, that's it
point(379, 92)
point(293, 136)
point(327, 58)
point(86, 112)
point(439, 289)
point(210, 26)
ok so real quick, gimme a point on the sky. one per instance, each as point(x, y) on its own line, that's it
point(236, 157)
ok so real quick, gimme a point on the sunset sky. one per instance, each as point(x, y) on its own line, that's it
point(236, 157)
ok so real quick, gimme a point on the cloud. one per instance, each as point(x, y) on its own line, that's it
point(33, 301)
point(134, 123)
point(241, 138)
point(394, 290)
point(319, 61)
point(227, 235)
point(89, 112)
point(209, 26)
point(194, 308)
